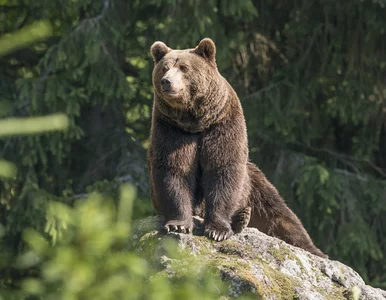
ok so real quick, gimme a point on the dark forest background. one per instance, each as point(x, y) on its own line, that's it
point(311, 76)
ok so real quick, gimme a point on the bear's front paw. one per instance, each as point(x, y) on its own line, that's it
point(181, 226)
point(218, 232)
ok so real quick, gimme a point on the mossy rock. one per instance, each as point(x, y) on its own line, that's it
point(251, 265)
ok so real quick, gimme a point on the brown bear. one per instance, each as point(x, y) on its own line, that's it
point(198, 154)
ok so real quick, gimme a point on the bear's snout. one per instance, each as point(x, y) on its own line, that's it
point(165, 83)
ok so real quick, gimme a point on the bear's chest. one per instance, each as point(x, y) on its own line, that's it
point(188, 122)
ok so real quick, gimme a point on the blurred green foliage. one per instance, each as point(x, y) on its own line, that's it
point(91, 259)
point(28, 35)
point(7, 169)
point(31, 125)
point(310, 75)
point(18, 126)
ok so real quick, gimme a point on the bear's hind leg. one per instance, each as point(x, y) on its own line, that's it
point(271, 215)
point(241, 219)
point(285, 225)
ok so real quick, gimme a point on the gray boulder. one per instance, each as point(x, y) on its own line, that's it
point(252, 263)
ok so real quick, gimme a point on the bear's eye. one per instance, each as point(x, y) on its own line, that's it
point(166, 68)
point(183, 68)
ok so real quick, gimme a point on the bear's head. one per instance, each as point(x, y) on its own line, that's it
point(182, 77)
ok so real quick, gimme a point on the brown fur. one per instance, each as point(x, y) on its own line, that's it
point(198, 154)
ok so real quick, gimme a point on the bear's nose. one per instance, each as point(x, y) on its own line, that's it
point(165, 83)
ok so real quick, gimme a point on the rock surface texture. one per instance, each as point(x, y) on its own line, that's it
point(253, 263)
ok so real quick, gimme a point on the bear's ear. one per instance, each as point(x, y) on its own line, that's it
point(206, 49)
point(159, 50)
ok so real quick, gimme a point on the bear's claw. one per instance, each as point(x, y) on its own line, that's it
point(218, 234)
point(177, 226)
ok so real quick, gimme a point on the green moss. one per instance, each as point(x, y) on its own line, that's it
point(338, 293)
point(147, 245)
point(225, 262)
point(234, 248)
point(282, 254)
point(282, 285)
point(204, 244)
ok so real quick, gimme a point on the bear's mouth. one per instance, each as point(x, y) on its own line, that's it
point(170, 92)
